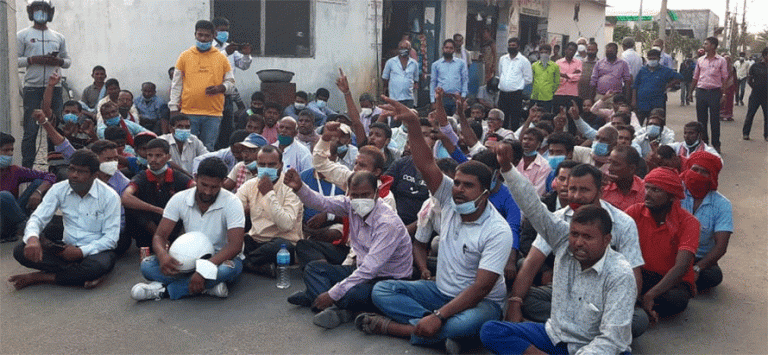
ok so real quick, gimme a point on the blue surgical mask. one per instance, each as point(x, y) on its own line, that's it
point(252, 166)
point(269, 172)
point(40, 16)
point(653, 63)
point(284, 140)
point(599, 148)
point(70, 118)
point(342, 149)
point(468, 207)
point(530, 154)
point(160, 171)
point(203, 46)
point(182, 135)
point(321, 103)
point(5, 161)
point(442, 153)
point(141, 161)
point(654, 131)
point(694, 145)
point(555, 160)
point(222, 36)
point(114, 121)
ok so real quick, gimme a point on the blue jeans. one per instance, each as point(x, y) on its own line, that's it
point(206, 128)
point(178, 286)
point(33, 98)
point(515, 338)
point(13, 211)
point(320, 276)
point(406, 302)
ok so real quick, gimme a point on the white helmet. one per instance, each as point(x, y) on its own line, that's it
point(189, 247)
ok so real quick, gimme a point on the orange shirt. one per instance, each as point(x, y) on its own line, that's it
point(201, 70)
point(660, 243)
point(616, 197)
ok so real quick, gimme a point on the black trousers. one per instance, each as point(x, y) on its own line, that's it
point(261, 253)
point(708, 110)
point(310, 250)
point(756, 100)
point(511, 103)
point(67, 272)
point(669, 303)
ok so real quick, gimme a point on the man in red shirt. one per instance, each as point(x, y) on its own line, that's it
point(626, 188)
point(669, 238)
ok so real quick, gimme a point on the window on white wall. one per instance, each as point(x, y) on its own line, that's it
point(274, 28)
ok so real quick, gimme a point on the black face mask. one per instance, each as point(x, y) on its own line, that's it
point(610, 56)
point(123, 110)
point(447, 55)
point(259, 110)
point(512, 51)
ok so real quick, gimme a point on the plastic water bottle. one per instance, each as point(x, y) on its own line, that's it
point(283, 262)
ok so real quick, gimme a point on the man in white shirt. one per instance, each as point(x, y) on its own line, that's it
point(295, 154)
point(211, 210)
point(514, 74)
point(631, 56)
point(742, 72)
point(185, 147)
point(83, 252)
point(461, 51)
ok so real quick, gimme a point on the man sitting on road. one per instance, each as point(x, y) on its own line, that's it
point(185, 146)
point(692, 141)
point(211, 210)
point(274, 210)
point(378, 238)
point(147, 196)
point(584, 188)
point(295, 154)
point(669, 239)
point(247, 168)
point(82, 253)
point(625, 188)
point(714, 212)
point(474, 247)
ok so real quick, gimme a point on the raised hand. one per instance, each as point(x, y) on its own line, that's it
point(293, 180)
point(342, 83)
point(331, 130)
point(573, 111)
point(397, 111)
point(504, 156)
point(54, 79)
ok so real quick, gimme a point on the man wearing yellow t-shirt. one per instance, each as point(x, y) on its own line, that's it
point(201, 78)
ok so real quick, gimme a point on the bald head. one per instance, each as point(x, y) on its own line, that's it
point(287, 127)
point(607, 135)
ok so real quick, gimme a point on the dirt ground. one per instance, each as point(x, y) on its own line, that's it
point(256, 319)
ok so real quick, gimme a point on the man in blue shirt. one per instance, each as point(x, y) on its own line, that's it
point(714, 213)
point(651, 85)
point(320, 104)
point(401, 75)
point(153, 110)
point(450, 74)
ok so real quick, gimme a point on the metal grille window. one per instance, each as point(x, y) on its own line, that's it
point(274, 28)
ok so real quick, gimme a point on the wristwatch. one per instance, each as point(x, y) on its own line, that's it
point(439, 316)
point(696, 269)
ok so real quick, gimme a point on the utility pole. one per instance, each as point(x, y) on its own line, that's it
point(639, 26)
point(726, 27)
point(663, 21)
point(743, 37)
point(10, 99)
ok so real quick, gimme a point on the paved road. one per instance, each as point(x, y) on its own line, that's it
point(256, 318)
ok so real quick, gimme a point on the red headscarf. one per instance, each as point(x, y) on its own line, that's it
point(708, 161)
point(668, 180)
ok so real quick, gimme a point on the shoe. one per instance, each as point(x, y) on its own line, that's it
point(331, 317)
point(746, 137)
point(220, 290)
point(452, 346)
point(300, 299)
point(150, 291)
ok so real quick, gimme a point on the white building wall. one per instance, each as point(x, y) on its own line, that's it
point(138, 40)
point(591, 22)
point(455, 18)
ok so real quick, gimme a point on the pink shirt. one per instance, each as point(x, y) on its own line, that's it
point(572, 69)
point(536, 172)
point(711, 72)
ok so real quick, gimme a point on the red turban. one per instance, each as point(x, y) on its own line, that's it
point(708, 161)
point(668, 180)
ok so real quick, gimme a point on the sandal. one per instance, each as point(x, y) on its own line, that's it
point(372, 323)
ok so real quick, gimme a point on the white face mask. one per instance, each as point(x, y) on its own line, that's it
point(108, 167)
point(362, 206)
point(366, 111)
point(582, 48)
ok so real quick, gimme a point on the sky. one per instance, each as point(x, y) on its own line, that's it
point(756, 9)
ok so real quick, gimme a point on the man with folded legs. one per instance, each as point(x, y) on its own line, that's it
point(378, 238)
point(211, 210)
